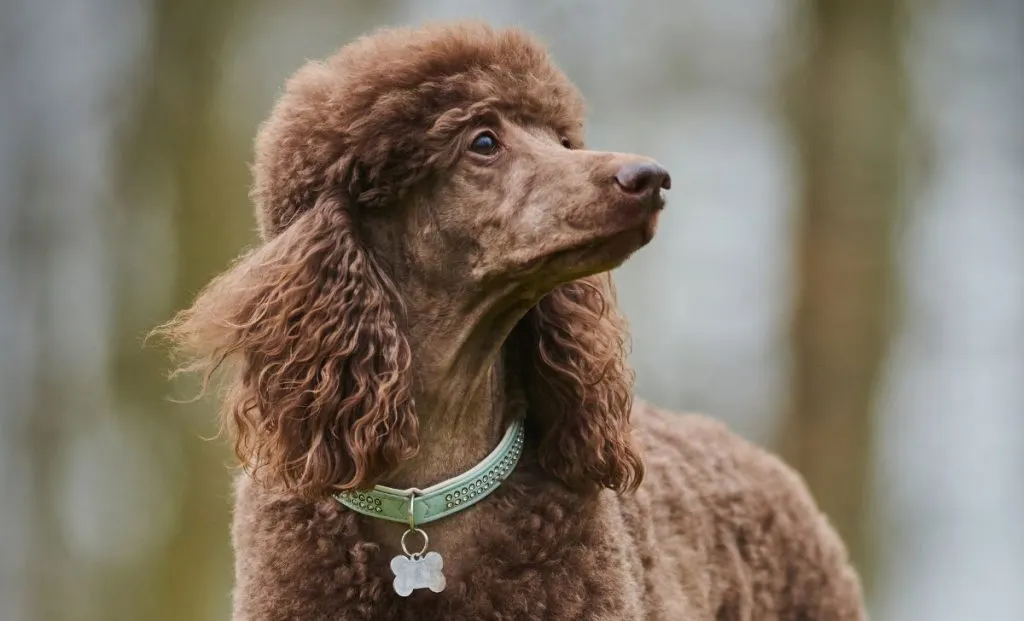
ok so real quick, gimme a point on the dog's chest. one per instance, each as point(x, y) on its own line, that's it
point(531, 555)
point(549, 560)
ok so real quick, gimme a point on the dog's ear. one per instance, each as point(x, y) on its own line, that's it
point(311, 328)
point(579, 387)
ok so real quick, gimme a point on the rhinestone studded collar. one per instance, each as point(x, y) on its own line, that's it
point(415, 506)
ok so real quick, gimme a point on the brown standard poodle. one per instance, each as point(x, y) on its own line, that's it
point(437, 241)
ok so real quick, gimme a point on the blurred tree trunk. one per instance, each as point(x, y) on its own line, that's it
point(848, 112)
point(177, 148)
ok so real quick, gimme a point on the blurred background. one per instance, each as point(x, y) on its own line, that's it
point(839, 274)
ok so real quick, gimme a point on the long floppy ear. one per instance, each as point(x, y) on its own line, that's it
point(579, 387)
point(310, 329)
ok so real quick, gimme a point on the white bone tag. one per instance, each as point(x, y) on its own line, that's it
point(418, 572)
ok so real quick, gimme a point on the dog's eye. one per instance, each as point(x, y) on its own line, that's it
point(566, 143)
point(485, 143)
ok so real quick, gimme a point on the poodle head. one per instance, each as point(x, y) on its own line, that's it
point(456, 153)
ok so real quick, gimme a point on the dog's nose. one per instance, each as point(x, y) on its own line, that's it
point(643, 179)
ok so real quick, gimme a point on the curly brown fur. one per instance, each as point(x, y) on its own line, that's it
point(575, 356)
point(322, 393)
point(416, 289)
point(719, 530)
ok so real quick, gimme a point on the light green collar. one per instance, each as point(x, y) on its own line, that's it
point(415, 506)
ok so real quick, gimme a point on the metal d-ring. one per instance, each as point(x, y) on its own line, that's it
point(413, 529)
point(412, 508)
point(426, 542)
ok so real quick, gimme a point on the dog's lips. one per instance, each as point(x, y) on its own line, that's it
point(650, 225)
point(603, 250)
point(643, 216)
point(620, 244)
point(639, 226)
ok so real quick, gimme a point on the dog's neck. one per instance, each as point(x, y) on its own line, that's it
point(466, 386)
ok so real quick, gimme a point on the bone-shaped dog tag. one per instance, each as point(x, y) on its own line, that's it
point(418, 572)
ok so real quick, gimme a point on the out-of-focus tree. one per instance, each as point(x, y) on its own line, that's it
point(174, 147)
point(848, 110)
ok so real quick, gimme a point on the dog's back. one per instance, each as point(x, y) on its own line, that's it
point(731, 529)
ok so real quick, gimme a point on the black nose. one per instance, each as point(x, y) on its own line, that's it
point(644, 179)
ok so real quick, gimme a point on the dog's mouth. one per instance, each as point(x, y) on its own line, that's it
point(599, 252)
point(611, 249)
point(628, 239)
